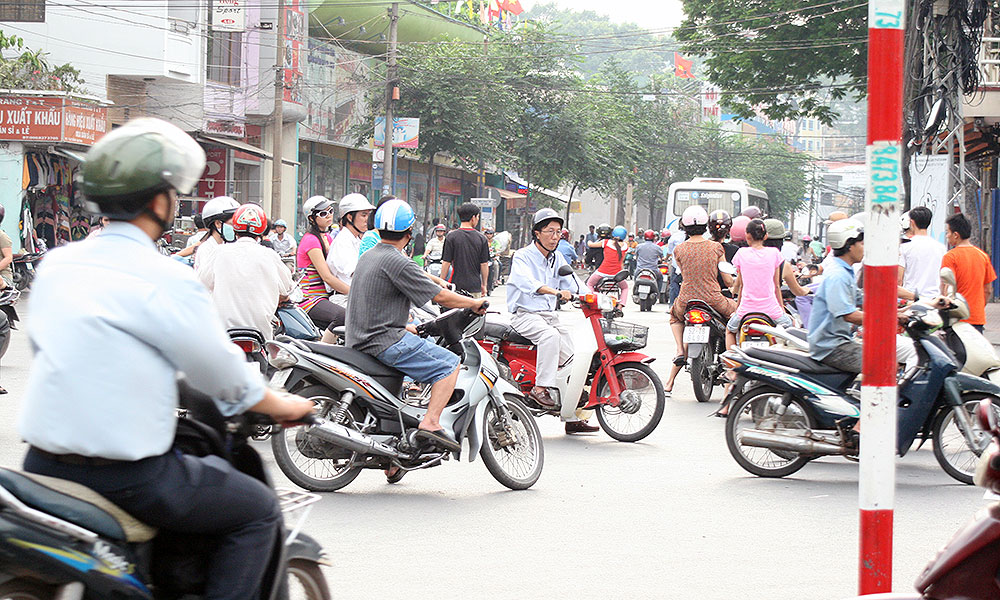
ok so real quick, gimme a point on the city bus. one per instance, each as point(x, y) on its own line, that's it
point(731, 195)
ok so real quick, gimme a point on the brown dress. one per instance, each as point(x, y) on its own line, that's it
point(699, 262)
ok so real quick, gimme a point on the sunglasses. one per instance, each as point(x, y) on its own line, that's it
point(324, 213)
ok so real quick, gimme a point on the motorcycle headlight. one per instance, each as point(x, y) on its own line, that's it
point(605, 302)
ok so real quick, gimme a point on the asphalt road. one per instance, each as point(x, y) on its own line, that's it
point(672, 516)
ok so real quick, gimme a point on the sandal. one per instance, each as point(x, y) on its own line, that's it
point(680, 361)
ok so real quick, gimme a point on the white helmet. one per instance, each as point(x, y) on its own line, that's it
point(694, 215)
point(354, 202)
point(843, 232)
point(315, 203)
point(219, 208)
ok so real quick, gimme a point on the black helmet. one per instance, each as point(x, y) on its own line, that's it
point(543, 216)
point(719, 224)
point(604, 231)
point(139, 159)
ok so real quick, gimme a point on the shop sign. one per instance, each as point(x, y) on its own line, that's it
point(294, 43)
point(226, 128)
point(213, 181)
point(229, 15)
point(405, 132)
point(450, 186)
point(25, 118)
point(361, 171)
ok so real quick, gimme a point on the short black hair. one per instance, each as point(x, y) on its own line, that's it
point(960, 225)
point(921, 216)
point(199, 223)
point(393, 236)
point(467, 210)
point(756, 229)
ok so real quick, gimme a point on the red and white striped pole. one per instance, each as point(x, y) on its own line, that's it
point(877, 477)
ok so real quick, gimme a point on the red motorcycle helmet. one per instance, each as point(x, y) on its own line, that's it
point(650, 235)
point(250, 218)
point(565, 234)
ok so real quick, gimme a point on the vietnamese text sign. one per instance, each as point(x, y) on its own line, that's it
point(228, 15)
point(405, 132)
point(84, 123)
point(41, 119)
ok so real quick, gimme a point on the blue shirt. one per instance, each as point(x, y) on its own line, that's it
point(113, 324)
point(566, 249)
point(529, 270)
point(369, 240)
point(834, 300)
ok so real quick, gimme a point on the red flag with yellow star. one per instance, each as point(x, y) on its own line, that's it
point(683, 67)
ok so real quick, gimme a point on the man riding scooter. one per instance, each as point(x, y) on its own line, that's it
point(534, 276)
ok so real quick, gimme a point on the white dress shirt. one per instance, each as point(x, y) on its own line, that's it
point(921, 261)
point(529, 270)
point(113, 324)
point(343, 256)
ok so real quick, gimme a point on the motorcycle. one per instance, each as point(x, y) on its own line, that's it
point(63, 540)
point(23, 272)
point(974, 352)
point(371, 418)
point(797, 409)
point(8, 316)
point(645, 289)
point(664, 283)
point(433, 266)
point(294, 322)
point(705, 340)
point(608, 375)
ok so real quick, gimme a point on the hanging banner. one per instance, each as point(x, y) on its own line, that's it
point(405, 132)
point(229, 15)
point(929, 178)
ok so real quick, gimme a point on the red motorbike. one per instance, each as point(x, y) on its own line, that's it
point(608, 374)
point(967, 568)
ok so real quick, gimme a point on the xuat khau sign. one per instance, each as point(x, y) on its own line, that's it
point(48, 119)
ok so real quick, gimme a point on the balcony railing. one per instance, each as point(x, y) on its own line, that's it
point(989, 62)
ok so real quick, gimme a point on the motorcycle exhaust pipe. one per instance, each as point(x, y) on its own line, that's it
point(351, 439)
point(777, 441)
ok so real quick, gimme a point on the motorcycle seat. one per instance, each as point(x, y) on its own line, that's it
point(76, 504)
point(390, 378)
point(503, 332)
point(791, 358)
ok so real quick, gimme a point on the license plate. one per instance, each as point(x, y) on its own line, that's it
point(643, 295)
point(696, 334)
point(28, 266)
point(280, 377)
point(756, 344)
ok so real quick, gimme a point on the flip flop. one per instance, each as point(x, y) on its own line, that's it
point(395, 477)
point(680, 361)
point(441, 438)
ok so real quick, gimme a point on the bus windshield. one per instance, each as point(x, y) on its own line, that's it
point(727, 200)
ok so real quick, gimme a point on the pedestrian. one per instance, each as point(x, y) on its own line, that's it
point(581, 246)
point(592, 255)
point(467, 252)
point(974, 273)
point(920, 258)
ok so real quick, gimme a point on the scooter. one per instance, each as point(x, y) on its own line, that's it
point(645, 289)
point(24, 266)
point(433, 266)
point(798, 409)
point(664, 282)
point(292, 321)
point(8, 317)
point(966, 567)
point(63, 540)
point(704, 339)
point(608, 375)
point(371, 417)
point(974, 352)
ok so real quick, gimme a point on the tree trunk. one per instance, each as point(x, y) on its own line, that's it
point(569, 204)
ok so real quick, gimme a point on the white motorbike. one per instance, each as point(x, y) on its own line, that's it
point(974, 352)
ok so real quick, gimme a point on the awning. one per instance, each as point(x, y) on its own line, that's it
point(244, 147)
point(71, 154)
point(517, 179)
point(506, 194)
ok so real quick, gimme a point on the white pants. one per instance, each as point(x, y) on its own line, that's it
point(552, 339)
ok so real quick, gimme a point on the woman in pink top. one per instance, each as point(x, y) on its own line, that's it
point(311, 258)
point(758, 280)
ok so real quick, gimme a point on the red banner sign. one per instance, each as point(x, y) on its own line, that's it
point(40, 119)
point(213, 182)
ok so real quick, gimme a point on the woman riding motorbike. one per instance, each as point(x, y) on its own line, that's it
point(614, 250)
point(311, 257)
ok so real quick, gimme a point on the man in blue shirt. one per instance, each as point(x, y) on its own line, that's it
point(114, 324)
point(566, 249)
point(532, 288)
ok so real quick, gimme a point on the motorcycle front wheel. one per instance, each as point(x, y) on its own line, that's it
point(512, 445)
point(641, 406)
point(757, 409)
point(304, 459)
point(951, 449)
point(21, 589)
point(306, 581)
point(701, 373)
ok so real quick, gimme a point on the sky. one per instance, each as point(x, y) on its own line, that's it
point(651, 14)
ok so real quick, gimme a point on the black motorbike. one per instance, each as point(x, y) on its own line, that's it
point(646, 288)
point(23, 272)
point(8, 317)
point(60, 540)
point(705, 339)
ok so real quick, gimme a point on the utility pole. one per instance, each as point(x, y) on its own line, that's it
point(391, 93)
point(628, 205)
point(278, 116)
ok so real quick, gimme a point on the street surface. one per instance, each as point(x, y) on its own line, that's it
point(672, 516)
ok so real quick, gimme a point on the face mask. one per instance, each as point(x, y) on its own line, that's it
point(228, 233)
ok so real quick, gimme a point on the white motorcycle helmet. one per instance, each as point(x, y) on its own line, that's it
point(353, 203)
point(219, 208)
point(694, 215)
point(315, 203)
point(842, 232)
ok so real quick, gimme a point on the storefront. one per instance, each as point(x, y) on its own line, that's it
point(43, 139)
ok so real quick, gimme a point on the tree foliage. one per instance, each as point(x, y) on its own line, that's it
point(25, 69)
point(787, 58)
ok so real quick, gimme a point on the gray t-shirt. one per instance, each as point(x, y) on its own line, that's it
point(648, 255)
point(385, 284)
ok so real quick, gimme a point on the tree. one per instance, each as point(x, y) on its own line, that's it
point(786, 58)
point(25, 69)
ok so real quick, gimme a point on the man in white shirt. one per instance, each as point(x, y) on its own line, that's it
point(920, 258)
point(284, 244)
point(789, 251)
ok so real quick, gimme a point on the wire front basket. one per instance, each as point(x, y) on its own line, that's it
point(623, 336)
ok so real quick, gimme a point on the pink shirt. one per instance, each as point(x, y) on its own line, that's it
point(756, 267)
point(309, 241)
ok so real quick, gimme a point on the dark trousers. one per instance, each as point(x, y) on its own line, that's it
point(980, 328)
point(187, 494)
point(327, 315)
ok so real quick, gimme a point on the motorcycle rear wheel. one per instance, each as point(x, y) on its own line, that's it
point(519, 465)
point(749, 411)
point(701, 373)
point(22, 589)
point(306, 581)
point(633, 424)
point(314, 474)
point(951, 449)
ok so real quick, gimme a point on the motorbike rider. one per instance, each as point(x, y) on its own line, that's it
point(534, 277)
point(217, 215)
point(435, 248)
point(283, 244)
point(719, 225)
point(118, 322)
point(648, 255)
point(566, 249)
point(6, 257)
point(248, 281)
point(386, 283)
point(664, 237)
point(614, 250)
point(311, 258)
point(835, 310)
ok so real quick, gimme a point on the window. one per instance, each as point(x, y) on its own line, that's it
point(24, 11)
point(225, 53)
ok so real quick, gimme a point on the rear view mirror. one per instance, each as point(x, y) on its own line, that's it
point(987, 415)
point(621, 276)
point(948, 278)
point(565, 271)
point(727, 268)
